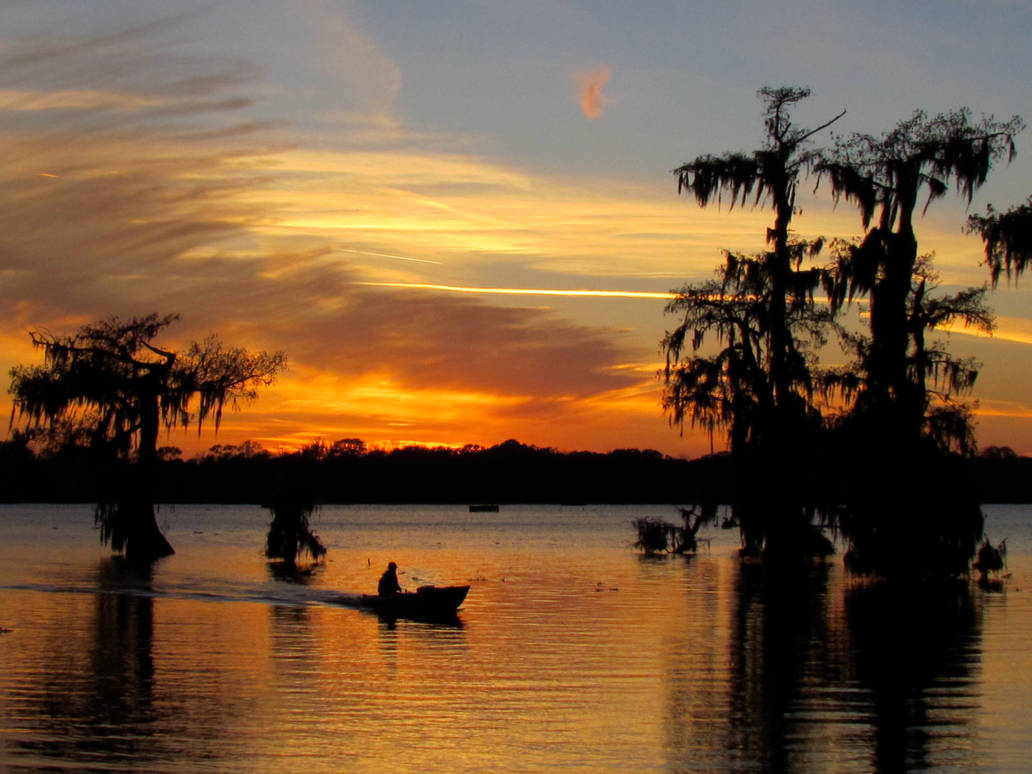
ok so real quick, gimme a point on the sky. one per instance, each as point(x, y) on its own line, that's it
point(458, 219)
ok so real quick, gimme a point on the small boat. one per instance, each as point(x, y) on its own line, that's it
point(427, 603)
point(484, 508)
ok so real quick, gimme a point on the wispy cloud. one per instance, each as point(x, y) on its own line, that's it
point(450, 208)
point(589, 85)
point(1012, 329)
point(68, 99)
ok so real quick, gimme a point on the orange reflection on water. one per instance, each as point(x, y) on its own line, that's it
point(571, 652)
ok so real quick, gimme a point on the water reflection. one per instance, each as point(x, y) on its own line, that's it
point(289, 573)
point(389, 622)
point(586, 660)
point(806, 672)
point(914, 651)
point(768, 637)
point(291, 636)
point(779, 644)
point(95, 694)
point(297, 663)
point(123, 659)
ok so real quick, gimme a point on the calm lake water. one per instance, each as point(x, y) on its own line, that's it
point(572, 653)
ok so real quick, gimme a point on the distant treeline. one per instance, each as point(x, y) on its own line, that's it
point(511, 472)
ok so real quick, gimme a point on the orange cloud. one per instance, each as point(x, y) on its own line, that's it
point(1003, 408)
point(84, 99)
point(589, 85)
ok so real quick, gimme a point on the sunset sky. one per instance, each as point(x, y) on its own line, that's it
point(457, 218)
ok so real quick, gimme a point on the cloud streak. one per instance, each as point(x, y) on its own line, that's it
point(528, 291)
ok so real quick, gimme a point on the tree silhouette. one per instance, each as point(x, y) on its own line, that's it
point(899, 415)
point(760, 384)
point(1008, 239)
point(110, 379)
point(290, 535)
point(905, 416)
point(886, 177)
point(770, 174)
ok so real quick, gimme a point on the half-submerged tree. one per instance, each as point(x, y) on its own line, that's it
point(656, 536)
point(290, 535)
point(888, 473)
point(908, 510)
point(111, 379)
point(760, 311)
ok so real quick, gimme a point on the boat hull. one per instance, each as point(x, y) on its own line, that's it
point(426, 603)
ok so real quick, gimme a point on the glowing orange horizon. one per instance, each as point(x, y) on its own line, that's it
point(323, 219)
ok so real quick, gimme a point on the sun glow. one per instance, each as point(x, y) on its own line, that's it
point(321, 251)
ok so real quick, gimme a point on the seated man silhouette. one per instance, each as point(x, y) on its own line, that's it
point(388, 584)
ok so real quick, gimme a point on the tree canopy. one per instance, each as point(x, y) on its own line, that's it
point(744, 356)
point(1008, 239)
point(119, 388)
point(886, 177)
point(109, 374)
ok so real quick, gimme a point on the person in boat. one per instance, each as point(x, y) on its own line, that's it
point(388, 584)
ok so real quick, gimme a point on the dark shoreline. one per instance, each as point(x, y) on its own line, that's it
point(507, 473)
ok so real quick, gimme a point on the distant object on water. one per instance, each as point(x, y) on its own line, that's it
point(484, 508)
point(427, 603)
point(990, 559)
point(658, 537)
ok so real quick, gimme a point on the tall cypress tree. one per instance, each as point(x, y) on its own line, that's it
point(761, 311)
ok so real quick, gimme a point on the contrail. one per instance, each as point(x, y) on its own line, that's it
point(526, 291)
point(388, 255)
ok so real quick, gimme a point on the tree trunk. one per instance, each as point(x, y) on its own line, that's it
point(144, 541)
point(892, 393)
point(780, 335)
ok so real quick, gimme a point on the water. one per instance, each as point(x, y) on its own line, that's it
point(572, 653)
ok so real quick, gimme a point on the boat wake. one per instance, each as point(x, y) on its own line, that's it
point(289, 597)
